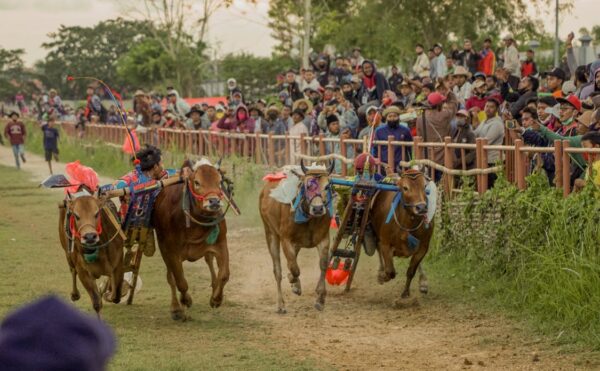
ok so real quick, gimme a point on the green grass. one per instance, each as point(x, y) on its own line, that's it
point(33, 263)
point(539, 260)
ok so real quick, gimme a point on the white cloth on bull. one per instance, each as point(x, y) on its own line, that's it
point(431, 191)
point(287, 189)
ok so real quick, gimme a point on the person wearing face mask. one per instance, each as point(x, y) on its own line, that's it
point(349, 94)
point(256, 115)
point(392, 127)
point(464, 135)
point(240, 121)
point(273, 124)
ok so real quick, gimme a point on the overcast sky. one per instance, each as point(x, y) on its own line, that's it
point(242, 27)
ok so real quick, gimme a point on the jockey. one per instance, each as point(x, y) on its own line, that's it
point(151, 166)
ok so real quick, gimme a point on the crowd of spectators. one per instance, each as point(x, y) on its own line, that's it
point(465, 94)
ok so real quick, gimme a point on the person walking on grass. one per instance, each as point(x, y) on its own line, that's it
point(51, 136)
point(15, 132)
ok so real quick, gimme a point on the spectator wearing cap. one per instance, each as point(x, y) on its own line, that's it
point(462, 86)
point(487, 60)
point(421, 67)
point(49, 334)
point(569, 109)
point(464, 135)
point(392, 127)
point(395, 79)
point(273, 124)
point(547, 119)
point(434, 124)
point(307, 107)
point(407, 95)
point(308, 80)
point(512, 64)
point(195, 119)
point(478, 99)
point(468, 58)
point(491, 129)
point(554, 81)
point(528, 67)
point(297, 130)
point(333, 132)
point(373, 118)
point(441, 69)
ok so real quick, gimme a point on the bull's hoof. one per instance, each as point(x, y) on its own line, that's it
point(179, 315)
point(116, 299)
point(424, 289)
point(319, 306)
point(296, 288)
point(75, 296)
point(383, 277)
point(215, 303)
point(281, 311)
point(186, 300)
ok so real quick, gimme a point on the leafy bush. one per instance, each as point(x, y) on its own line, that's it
point(533, 251)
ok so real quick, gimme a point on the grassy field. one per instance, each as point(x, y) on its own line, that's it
point(33, 263)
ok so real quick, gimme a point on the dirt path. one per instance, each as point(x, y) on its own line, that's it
point(362, 330)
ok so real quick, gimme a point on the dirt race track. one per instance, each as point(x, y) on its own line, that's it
point(361, 330)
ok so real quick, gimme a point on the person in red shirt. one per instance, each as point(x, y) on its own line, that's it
point(15, 132)
point(487, 61)
point(528, 67)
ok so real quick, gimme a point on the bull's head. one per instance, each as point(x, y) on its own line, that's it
point(316, 189)
point(204, 185)
point(412, 184)
point(84, 214)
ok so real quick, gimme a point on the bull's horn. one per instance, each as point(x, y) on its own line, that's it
point(331, 167)
point(218, 165)
point(304, 169)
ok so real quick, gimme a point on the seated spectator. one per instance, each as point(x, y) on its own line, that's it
point(194, 121)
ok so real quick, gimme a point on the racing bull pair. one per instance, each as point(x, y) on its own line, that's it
point(186, 214)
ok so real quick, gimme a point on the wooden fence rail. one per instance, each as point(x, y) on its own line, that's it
point(516, 159)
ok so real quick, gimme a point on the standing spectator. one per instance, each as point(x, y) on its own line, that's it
point(450, 66)
point(321, 67)
point(297, 130)
point(432, 64)
point(434, 124)
point(177, 105)
point(421, 66)
point(273, 124)
point(468, 58)
point(15, 132)
point(94, 106)
point(51, 136)
point(395, 79)
point(257, 115)
point(528, 87)
point(291, 86)
point(333, 132)
point(339, 71)
point(464, 135)
point(528, 67)
point(374, 82)
point(20, 102)
point(195, 121)
point(487, 62)
point(441, 68)
point(308, 80)
point(392, 127)
point(56, 103)
point(512, 64)
point(357, 59)
point(493, 130)
point(462, 88)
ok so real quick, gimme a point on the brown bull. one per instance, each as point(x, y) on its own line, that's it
point(409, 218)
point(282, 230)
point(85, 229)
point(206, 236)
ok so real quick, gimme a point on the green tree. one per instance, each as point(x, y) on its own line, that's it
point(13, 76)
point(88, 51)
point(255, 76)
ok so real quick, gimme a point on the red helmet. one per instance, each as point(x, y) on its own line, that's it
point(360, 163)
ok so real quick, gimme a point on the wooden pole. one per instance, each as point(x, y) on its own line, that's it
point(484, 164)
point(448, 163)
point(322, 151)
point(345, 154)
point(519, 165)
point(558, 176)
point(390, 154)
point(271, 149)
point(478, 158)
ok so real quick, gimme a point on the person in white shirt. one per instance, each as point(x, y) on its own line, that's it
point(511, 57)
point(297, 129)
point(421, 67)
point(462, 87)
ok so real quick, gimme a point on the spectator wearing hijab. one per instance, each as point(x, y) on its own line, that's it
point(374, 82)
